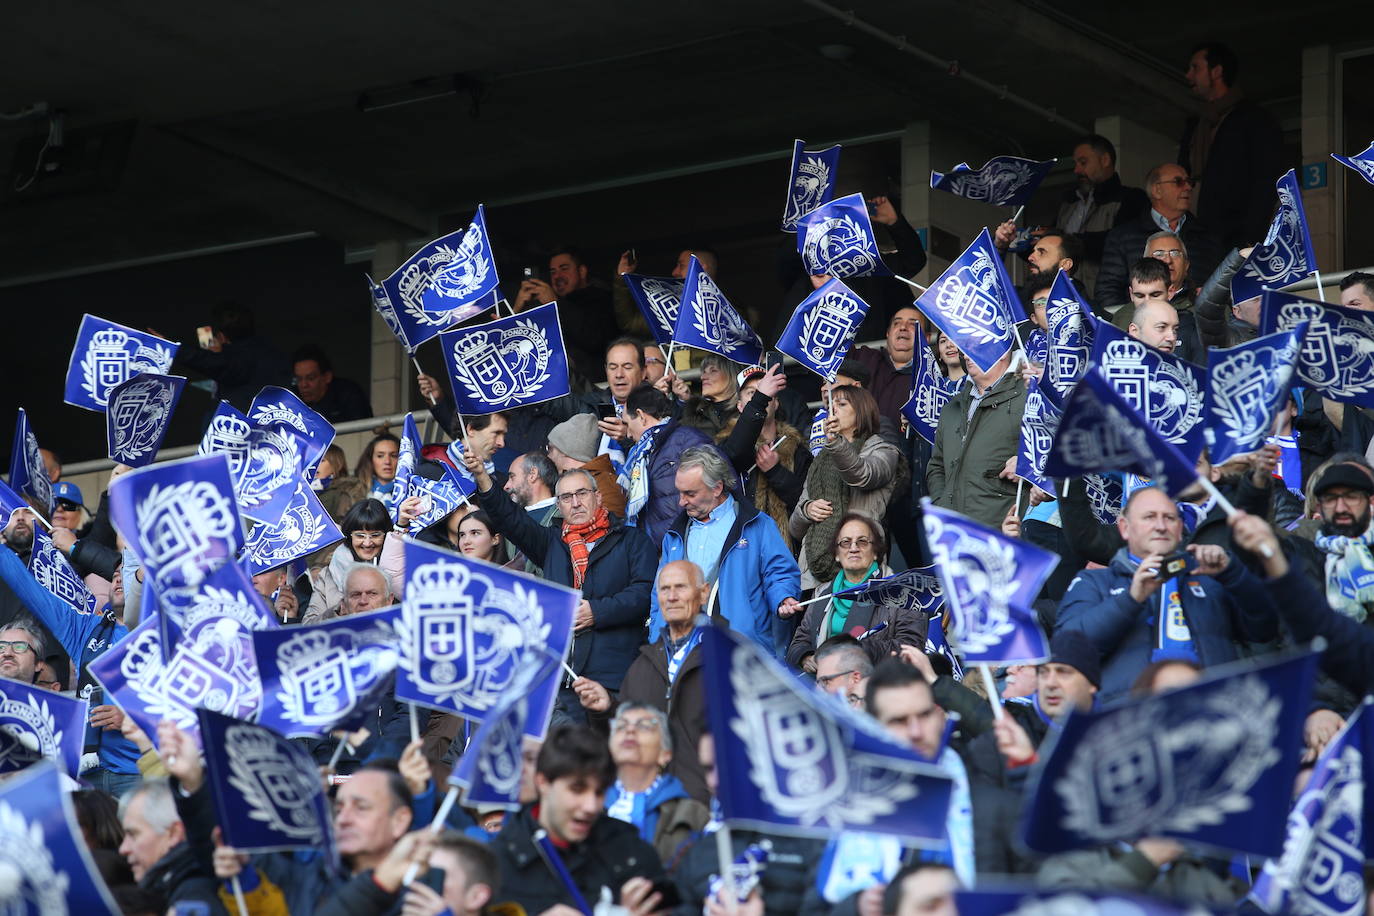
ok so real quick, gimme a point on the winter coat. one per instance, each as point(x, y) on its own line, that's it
point(684, 701)
point(670, 815)
point(1187, 879)
point(1216, 326)
point(180, 877)
point(903, 627)
point(774, 491)
point(658, 513)
point(871, 474)
point(1235, 192)
point(969, 455)
point(1113, 204)
point(1126, 244)
point(782, 885)
point(328, 586)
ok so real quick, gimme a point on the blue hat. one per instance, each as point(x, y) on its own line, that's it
point(68, 492)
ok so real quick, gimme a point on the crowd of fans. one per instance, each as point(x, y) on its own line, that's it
point(663, 502)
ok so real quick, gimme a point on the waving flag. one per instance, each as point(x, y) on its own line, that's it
point(1003, 181)
point(405, 464)
point(468, 627)
point(916, 590)
point(936, 644)
point(1070, 338)
point(440, 497)
point(282, 410)
point(43, 724)
point(326, 676)
point(1203, 764)
point(1166, 390)
point(822, 328)
point(974, 303)
point(793, 760)
point(509, 362)
point(54, 572)
point(138, 415)
point(989, 581)
point(1039, 423)
point(1106, 496)
point(709, 322)
point(1099, 431)
point(1285, 256)
point(28, 475)
point(1036, 901)
point(659, 299)
point(453, 277)
point(266, 789)
point(1362, 162)
point(44, 856)
point(305, 527)
point(930, 390)
point(811, 182)
point(836, 239)
point(413, 326)
point(1247, 386)
point(107, 354)
point(1337, 356)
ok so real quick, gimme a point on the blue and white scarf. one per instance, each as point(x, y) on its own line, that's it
point(634, 477)
point(1349, 572)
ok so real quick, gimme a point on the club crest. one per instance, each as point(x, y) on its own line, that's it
point(184, 530)
point(113, 355)
point(279, 786)
point(1164, 392)
point(304, 528)
point(1039, 423)
point(32, 725)
point(999, 180)
point(1068, 344)
point(326, 672)
point(981, 571)
point(504, 365)
point(1243, 387)
point(969, 299)
point(138, 414)
point(1338, 351)
point(38, 885)
point(55, 573)
point(664, 298)
point(38, 485)
point(828, 328)
point(840, 246)
point(1105, 496)
point(715, 319)
point(812, 184)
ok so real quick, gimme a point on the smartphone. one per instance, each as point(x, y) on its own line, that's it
point(605, 411)
point(206, 336)
point(1173, 564)
point(667, 889)
point(529, 273)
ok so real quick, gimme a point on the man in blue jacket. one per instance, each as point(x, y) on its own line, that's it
point(651, 466)
point(755, 580)
point(1135, 612)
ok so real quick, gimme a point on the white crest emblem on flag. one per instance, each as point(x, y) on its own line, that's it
point(277, 789)
point(828, 327)
point(714, 318)
point(1337, 355)
point(33, 727)
point(113, 356)
point(840, 246)
point(1281, 255)
point(273, 545)
point(325, 674)
point(969, 301)
point(1039, 423)
point(183, 527)
point(33, 877)
point(1069, 352)
point(1117, 443)
point(1241, 386)
point(993, 182)
point(981, 573)
point(1167, 396)
point(38, 472)
point(52, 571)
point(503, 365)
point(665, 298)
point(452, 273)
point(501, 770)
point(808, 188)
point(139, 417)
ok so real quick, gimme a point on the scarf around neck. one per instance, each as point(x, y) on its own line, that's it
point(577, 537)
point(1349, 572)
point(823, 481)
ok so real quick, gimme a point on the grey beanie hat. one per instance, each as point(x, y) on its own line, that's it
point(577, 437)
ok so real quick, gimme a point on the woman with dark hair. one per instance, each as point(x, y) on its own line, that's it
point(948, 357)
point(860, 551)
point(855, 471)
point(97, 814)
point(364, 530)
point(479, 539)
point(377, 467)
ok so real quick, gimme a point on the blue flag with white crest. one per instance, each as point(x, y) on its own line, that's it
point(107, 354)
point(45, 857)
point(179, 518)
point(266, 789)
point(1247, 385)
point(283, 410)
point(28, 474)
point(138, 415)
point(709, 322)
point(453, 276)
point(836, 240)
point(658, 299)
point(51, 568)
point(509, 362)
point(1167, 391)
point(406, 459)
point(1106, 496)
point(1203, 764)
point(489, 770)
point(44, 724)
point(1322, 866)
point(936, 644)
point(468, 627)
point(1053, 901)
point(1003, 181)
point(930, 390)
point(305, 527)
point(1099, 431)
point(989, 581)
point(1337, 355)
point(1039, 423)
point(439, 497)
point(1285, 256)
point(1362, 162)
point(327, 675)
point(793, 760)
point(411, 325)
point(915, 591)
point(974, 303)
point(822, 328)
point(810, 182)
point(1069, 341)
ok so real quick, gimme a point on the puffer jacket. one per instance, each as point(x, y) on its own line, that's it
point(969, 455)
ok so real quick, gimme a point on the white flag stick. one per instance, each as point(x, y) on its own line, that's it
point(755, 465)
point(1321, 293)
point(914, 285)
point(435, 826)
point(416, 363)
point(991, 685)
point(238, 895)
point(725, 860)
point(825, 597)
point(668, 357)
point(338, 752)
point(1226, 506)
point(414, 722)
point(1019, 482)
point(568, 668)
point(1017, 215)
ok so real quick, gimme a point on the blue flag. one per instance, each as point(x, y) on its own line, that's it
point(1070, 338)
point(107, 354)
point(974, 303)
point(659, 299)
point(709, 322)
point(1204, 764)
point(930, 390)
point(1285, 256)
point(1337, 356)
point(489, 770)
point(815, 437)
point(44, 724)
point(328, 675)
point(1051, 901)
point(1362, 162)
point(138, 415)
point(1099, 431)
point(936, 644)
point(10, 503)
point(509, 362)
point(1247, 385)
point(305, 527)
point(1167, 391)
point(45, 858)
point(836, 240)
point(1039, 423)
point(405, 464)
point(1003, 181)
point(1322, 866)
point(440, 497)
point(28, 475)
point(916, 590)
point(283, 411)
point(1106, 496)
point(266, 789)
point(453, 276)
point(179, 519)
point(793, 760)
point(810, 183)
point(822, 328)
point(989, 581)
point(468, 627)
point(412, 325)
point(54, 572)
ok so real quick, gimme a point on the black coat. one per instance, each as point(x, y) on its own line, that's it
point(242, 369)
point(782, 886)
point(1236, 195)
point(179, 876)
point(1126, 244)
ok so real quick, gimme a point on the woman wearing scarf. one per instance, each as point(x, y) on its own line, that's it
point(773, 477)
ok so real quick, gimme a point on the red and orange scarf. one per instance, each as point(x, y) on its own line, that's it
point(577, 537)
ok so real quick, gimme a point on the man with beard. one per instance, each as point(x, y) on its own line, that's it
point(584, 309)
point(1339, 557)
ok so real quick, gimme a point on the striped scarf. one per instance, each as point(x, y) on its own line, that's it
point(578, 537)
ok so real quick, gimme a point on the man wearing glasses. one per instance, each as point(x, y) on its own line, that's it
point(21, 647)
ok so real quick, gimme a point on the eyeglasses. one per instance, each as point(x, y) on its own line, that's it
point(1178, 182)
point(576, 496)
point(639, 725)
point(1040, 302)
point(861, 543)
point(1172, 254)
point(825, 679)
point(1350, 498)
point(17, 646)
point(653, 361)
point(368, 537)
point(65, 505)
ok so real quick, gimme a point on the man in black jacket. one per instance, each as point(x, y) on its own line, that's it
point(239, 361)
point(1098, 203)
point(157, 850)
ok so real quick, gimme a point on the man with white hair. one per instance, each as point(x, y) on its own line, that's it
point(365, 589)
point(155, 846)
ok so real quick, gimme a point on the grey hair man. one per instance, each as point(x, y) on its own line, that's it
point(22, 647)
point(366, 588)
point(155, 846)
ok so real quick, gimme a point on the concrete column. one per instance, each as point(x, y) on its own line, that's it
point(1322, 205)
point(392, 376)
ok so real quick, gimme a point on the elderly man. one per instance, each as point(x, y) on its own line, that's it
point(591, 550)
point(157, 852)
point(740, 551)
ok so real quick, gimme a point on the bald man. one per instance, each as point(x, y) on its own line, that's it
point(667, 674)
point(1155, 322)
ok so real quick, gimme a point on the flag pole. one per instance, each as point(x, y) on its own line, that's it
point(1226, 506)
point(338, 752)
point(568, 668)
point(414, 722)
point(668, 357)
point(725, 860)
point(435, 826)
point(1321, 293)
point(1017, 215)
point(991, 684)
point(238, 895)
point(913, 284)
point(1019, 482)
point(416, 363)
point(824, 597)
